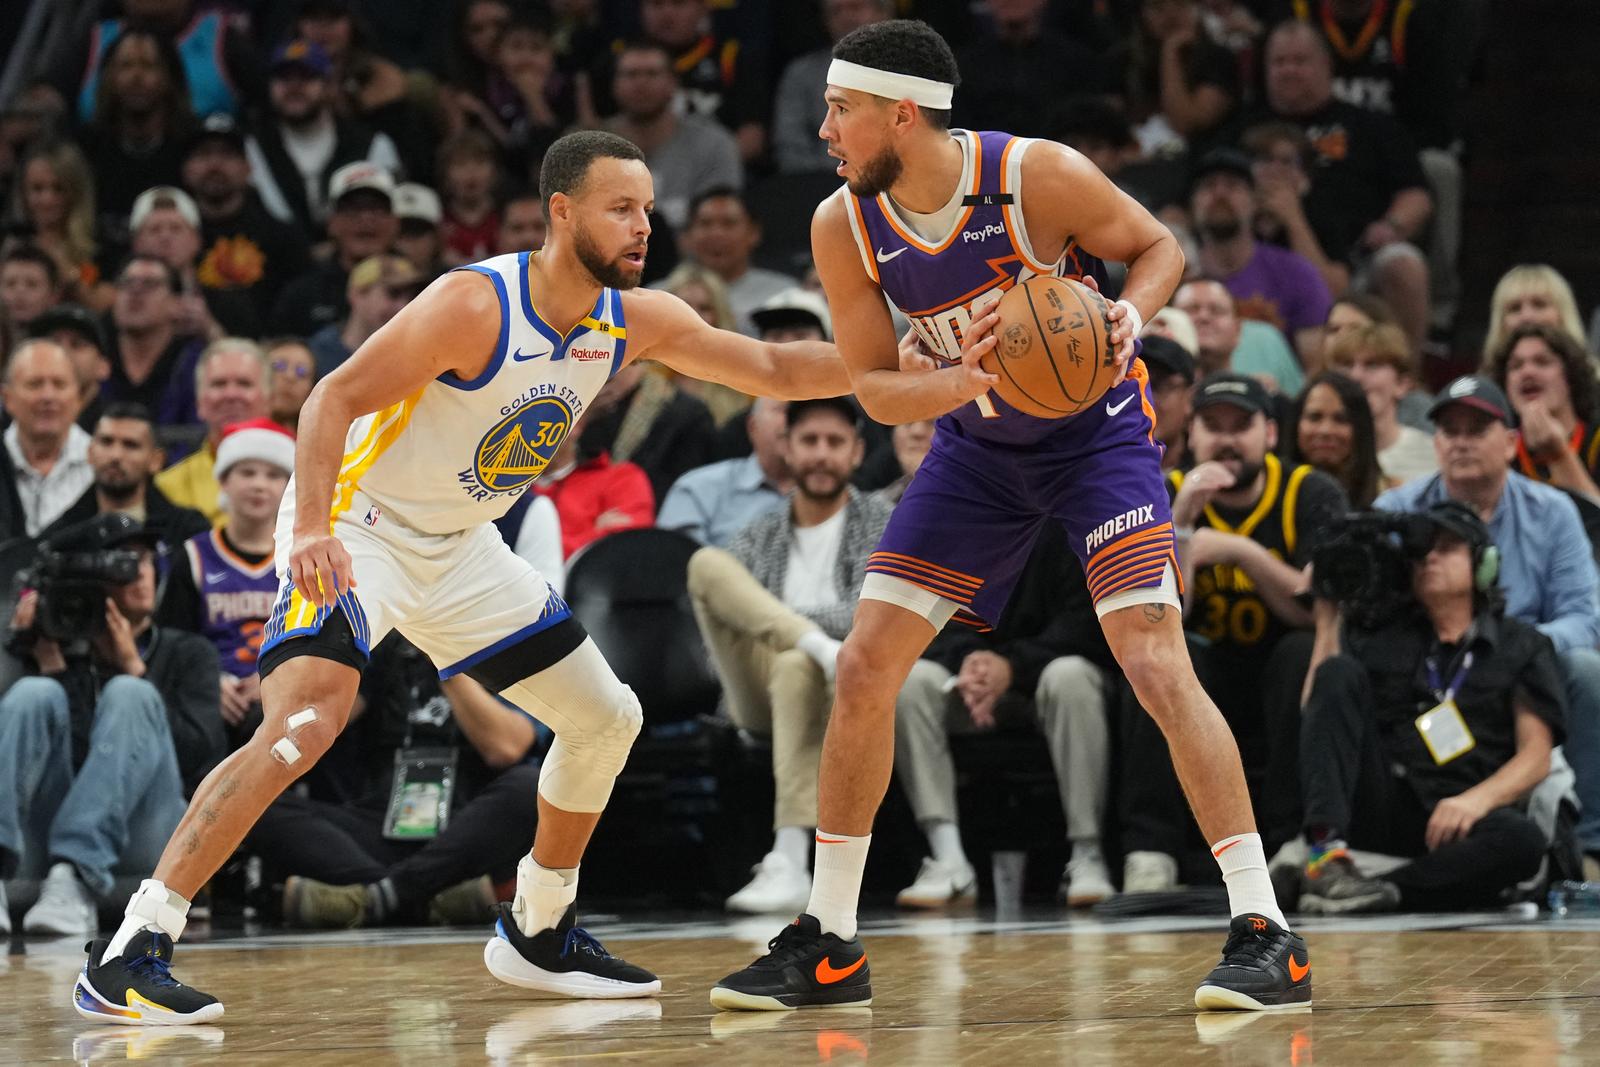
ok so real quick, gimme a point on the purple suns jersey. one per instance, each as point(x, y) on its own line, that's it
point(986, 252)
point(235, 600)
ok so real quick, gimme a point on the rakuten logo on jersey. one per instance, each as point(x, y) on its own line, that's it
point(991, 230)
point(584, 355)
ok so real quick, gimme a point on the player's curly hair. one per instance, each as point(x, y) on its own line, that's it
point(905, 46)
point(567, 162)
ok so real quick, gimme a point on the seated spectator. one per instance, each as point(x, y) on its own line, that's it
point(1179, 82)
point(232, 382)
point(1531, 294)
point(378, 288)
point(53, 203)
point(1042, 668)
point(798, 109)
point(124, 455)
point(1378, 358)
point(29, 285)
point(362, 225)
point(1369, 199)
point(294, 373)
point(713, 503)
point(708, 296)
point(78, 332)
point(469, 171)
point(1547, 568)
point(794, 314)
point(523, 101)
point(419, 239)
point(100, 745)
point(1014, 60)
point(141, 124)
point(1269, 284)
point(1378, 777)
point(1281, 161)
point(369, 860)
point(722, 77)
point(243, 248)
point(1171, 371)
point(722, 235)
point(152, 363)
point(593, 495)
point(641, 417)
point(772, 608)
point(222, 584)
point(688, 155)
point(910, 443)
point(165, 224)
point(48, 452)
point(1228, 343)
point(1247, 526)
point(1363, 309)
point(1331, 429)
point(522, 223)
point(299, 144)
point(1551, 384)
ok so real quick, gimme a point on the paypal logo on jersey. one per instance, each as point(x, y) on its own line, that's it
point(993, 229)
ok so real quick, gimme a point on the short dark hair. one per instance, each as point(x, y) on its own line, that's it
point(842, 406)
point(644, 44)
point(132, 411)
point(174, 279)
point(566, 163)
point(716, 192)
point(32, 253)
point(904, 46)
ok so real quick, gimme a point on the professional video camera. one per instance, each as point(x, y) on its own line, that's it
point(76, 569)
point(1365, 565)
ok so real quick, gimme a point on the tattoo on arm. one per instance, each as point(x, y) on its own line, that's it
point(1155, 612)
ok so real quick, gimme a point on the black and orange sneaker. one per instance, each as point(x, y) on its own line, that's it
point(803, 968)
point(1264, 968)
point(137, 987)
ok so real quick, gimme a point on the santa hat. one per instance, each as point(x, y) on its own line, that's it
point(260, 439)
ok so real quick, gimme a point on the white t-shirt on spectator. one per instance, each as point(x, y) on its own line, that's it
point(1411, 456)
point(813, 554)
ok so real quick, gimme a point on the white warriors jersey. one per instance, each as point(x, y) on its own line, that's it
point(456, 454)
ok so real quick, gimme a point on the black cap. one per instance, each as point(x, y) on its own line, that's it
point(1240, 390)
point(1163, 356)
point(1221, 160)
point(845, 406)
point(1457, 518)
point(80, 320)
point(217, 127)
point(1477, 392)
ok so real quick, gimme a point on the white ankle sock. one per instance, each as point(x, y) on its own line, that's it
point(944, 841)
point(543, 895)
point(1244, 869)
point(151, 898)
point(794, 842)
point(836, 883)
point(822, 648)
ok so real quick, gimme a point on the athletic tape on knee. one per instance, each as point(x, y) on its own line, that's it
point(583, 762)
point(284, 750)
point(153, 904)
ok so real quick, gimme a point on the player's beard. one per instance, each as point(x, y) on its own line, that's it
point(877, 174)
point(611, 273)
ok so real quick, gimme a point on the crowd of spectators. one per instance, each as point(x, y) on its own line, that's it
point(206, 208)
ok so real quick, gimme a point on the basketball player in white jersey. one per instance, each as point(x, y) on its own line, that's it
point(406, 453)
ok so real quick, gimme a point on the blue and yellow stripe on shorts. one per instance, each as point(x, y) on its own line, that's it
point(292, 614)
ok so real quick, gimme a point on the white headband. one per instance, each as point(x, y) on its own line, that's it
point(924, 92)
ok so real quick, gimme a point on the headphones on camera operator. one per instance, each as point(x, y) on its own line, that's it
point(1460, 520)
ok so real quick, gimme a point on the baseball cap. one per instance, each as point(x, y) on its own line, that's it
point(1221, 161)
point(415, 201)
point(301, 54)
point(1456, 518)
point(72, 317)
point(218, 127)
point(1163, 356)
point(163, 196)
point(260, 439)
point(844, 405)
point(354, 177)
point(794, 307)
point(393, 271)
point(1474, 391)
point(1240, 390)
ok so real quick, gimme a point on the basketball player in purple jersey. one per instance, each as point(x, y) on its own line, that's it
point(941, 222)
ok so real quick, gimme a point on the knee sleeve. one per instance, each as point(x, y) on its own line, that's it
point(590, 748)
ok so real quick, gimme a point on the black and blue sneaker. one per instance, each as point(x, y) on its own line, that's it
point(565, 961)
point(137, 987)
point(803, 968)
point(1264, 968)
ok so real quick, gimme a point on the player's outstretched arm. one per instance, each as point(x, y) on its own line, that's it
point(663, 328)
point(452, 326)
point(865, 335)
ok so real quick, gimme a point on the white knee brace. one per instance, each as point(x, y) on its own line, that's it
point(589, 752)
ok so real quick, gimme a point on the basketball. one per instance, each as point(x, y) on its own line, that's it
point(1054, 355)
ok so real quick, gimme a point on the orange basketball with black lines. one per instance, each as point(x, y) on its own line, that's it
point(1053, 356)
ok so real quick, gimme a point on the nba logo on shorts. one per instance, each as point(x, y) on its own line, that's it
point(372, 515)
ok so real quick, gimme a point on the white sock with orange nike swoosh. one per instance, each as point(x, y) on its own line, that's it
point(1244, 869)
point(836, 883)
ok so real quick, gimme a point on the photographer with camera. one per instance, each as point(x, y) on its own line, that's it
point(1246, 525)
point(1427, 726)
point(1547, 570)
point(119, 720)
